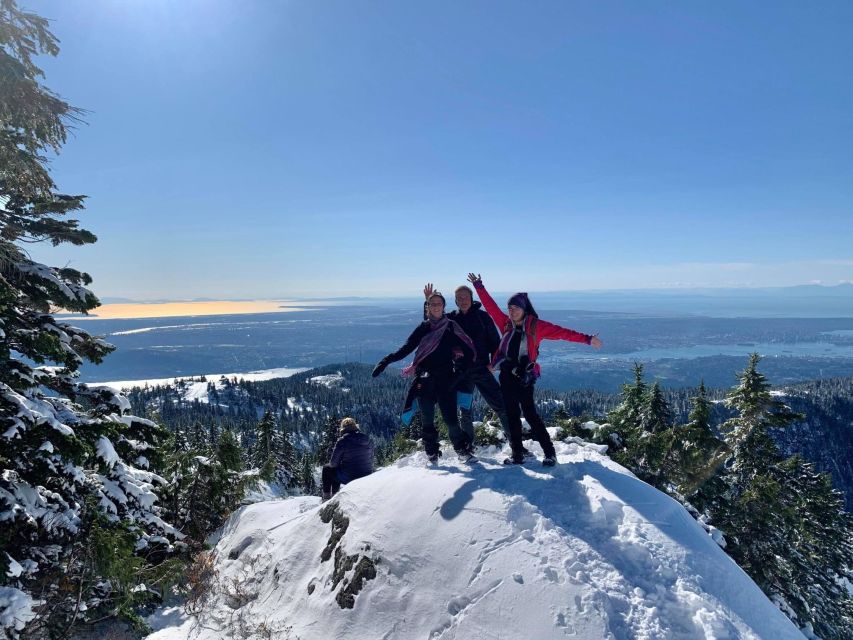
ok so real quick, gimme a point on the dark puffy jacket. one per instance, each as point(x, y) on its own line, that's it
point(478, 325)
point(353, 456)
point(480, 328)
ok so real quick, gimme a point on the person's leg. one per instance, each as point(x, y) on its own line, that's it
point(331, 484)
point(429, 434)
point(466, 420)
point(509, 391)
point(489, 388)
point(447, 403)
point(537, 425)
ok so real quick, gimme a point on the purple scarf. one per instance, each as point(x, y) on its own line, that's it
point(430, 341)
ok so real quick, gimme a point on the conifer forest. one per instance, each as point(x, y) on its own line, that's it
point(108, 500)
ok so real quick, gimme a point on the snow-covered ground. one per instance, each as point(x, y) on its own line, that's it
point(329, 380)
point(197, 389)
point(482, 551)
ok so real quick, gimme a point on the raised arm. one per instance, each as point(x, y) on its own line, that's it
point(428, 291)
point(491, 307)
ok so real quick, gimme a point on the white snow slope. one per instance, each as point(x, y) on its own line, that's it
point(583, 550)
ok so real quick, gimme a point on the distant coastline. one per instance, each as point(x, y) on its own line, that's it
point(132, 310)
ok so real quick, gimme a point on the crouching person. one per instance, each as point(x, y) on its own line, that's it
point(352, 458)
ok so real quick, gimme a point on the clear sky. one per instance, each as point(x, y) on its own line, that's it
point(250, 149)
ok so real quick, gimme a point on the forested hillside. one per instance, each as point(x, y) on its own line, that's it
point(306, 401)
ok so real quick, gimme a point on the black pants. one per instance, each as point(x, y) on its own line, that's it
point(518, 399)
point(331, 481)
point(445, 396)
point(485, 383)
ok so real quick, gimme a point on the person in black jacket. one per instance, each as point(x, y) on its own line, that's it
point(484, 334)
point(352, 458)
point(444, 353)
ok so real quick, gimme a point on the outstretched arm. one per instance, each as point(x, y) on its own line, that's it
point(410, 345)
point(550, 331)
point(491, 307)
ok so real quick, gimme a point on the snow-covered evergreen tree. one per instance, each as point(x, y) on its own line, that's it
point(655, 414)
point(331, 433)
point(71, 458)
point(785, 525)
point(288, 464)
point(699, 451)
point(627, 415)
point(263, 453)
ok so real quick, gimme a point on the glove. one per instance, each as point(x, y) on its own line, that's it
point(379, 368)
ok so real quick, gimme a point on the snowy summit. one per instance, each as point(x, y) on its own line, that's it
point(583, 550)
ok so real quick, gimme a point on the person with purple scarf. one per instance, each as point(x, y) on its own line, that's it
point(521, 333)
point(443, 353)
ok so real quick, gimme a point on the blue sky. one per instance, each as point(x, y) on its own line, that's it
point(261, 149)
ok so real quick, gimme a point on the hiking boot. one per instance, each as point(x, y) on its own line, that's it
point(467, 455)
point(549, 461)
point(433, 457)
point(527, 453)
point(326, 496)
point(514, 460)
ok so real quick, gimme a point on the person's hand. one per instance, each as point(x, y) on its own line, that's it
point(379, 368)
point(475, 279)
point(428, 290)
point(595, 343)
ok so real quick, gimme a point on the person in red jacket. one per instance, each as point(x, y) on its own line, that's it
point(521, 333)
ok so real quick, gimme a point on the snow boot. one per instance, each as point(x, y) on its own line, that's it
point(515, 459)
point(467, 455)
point(549, 461)
point(326, 496)
point(433, 457)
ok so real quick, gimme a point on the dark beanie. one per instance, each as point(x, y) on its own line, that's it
point(521, 301)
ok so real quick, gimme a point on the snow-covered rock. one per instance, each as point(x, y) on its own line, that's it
point(582, 550)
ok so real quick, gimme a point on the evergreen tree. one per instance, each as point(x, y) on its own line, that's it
point(199, 437)
point(331, 433)
point(307, 482)
point(625, 418)
point(288, 464)
point(627, 414)
point(698, 450)
point(655, 414)
point(264, 453)
point(700, 411)
point(63, 468)
point(179, 471)
point(784, 524)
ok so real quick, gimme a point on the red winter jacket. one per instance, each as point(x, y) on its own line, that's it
point(544, 330)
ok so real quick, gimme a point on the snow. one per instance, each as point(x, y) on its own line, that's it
point(251, 376)
point(15, 569)
point(16, 609)
point(107, 452)
point(583, 549)
point(329, 380)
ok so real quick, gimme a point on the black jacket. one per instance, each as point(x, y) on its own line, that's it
point(480, 328)
point(440, 362)
point(353, 456)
